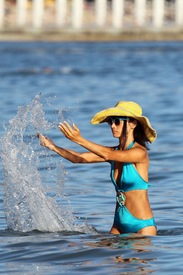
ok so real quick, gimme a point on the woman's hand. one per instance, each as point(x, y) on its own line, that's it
point(72, 133)
point(45, 141)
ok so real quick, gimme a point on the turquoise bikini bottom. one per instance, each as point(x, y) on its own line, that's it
point(127, 223)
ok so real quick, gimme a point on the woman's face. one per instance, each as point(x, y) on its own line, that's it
point(117, 124)
point(117, 129)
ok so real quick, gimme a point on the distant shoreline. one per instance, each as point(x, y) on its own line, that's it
point(92, 35)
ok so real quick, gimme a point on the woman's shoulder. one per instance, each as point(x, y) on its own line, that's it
point(141, 150)
point(139, 146)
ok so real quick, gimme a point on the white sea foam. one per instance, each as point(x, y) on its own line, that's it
point(26, 201)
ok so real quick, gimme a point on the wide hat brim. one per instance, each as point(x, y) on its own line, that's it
point(115, 111)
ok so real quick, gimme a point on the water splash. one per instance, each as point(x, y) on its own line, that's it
point(26, 202)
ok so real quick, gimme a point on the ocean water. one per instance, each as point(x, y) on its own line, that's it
point(55, 216)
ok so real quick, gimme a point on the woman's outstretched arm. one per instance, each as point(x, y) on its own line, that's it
point(108, 154)
point(70, 155)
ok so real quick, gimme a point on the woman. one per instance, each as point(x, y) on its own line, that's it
point(129, 163)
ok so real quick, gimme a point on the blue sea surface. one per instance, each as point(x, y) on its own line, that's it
point(55, 216)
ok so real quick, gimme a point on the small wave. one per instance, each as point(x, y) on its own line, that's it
point(171, 232)
point(43, 71)
point(52, 71)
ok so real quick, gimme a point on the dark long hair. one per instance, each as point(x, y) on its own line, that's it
point(139, 134)
point(123, 135)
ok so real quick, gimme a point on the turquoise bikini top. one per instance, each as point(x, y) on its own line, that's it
point(130, 178)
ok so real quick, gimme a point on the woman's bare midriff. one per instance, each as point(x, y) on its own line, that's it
point(138, 204)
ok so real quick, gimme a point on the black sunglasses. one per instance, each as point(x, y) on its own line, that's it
point(115, 120)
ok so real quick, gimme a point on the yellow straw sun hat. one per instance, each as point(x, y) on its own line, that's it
point(128, 109)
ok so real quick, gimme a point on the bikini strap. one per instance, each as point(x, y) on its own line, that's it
point(112, 177)
point(130, 145)
point(112, 168)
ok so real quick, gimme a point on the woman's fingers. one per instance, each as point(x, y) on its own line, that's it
point(64, 128)
point(44, 141)
point(69, 132)
point(41, 139)
point(40, 136)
